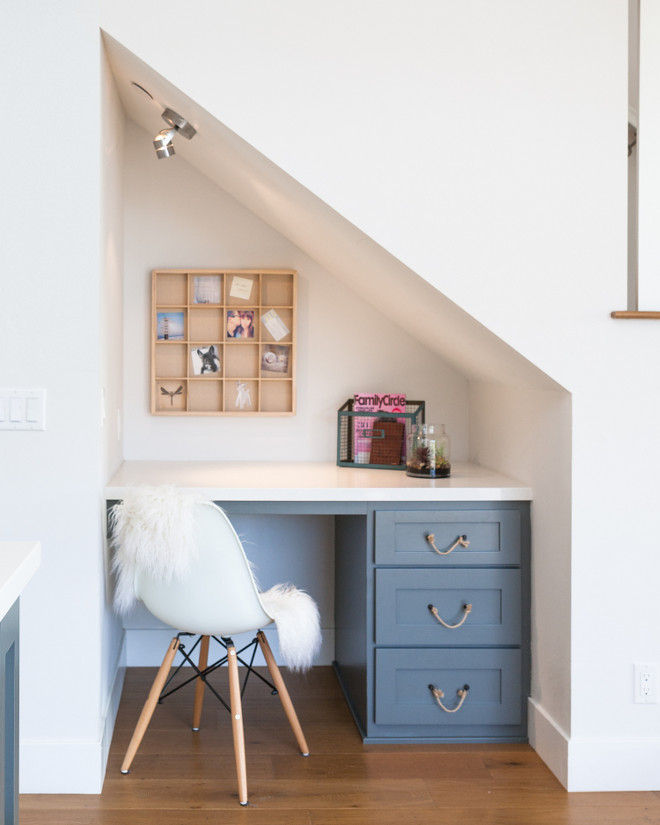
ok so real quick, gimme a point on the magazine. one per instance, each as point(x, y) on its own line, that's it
point(364, 427)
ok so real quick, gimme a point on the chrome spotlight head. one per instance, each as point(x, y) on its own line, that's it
point(163, 143)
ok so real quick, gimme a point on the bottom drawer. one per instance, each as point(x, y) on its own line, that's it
point(403, 696)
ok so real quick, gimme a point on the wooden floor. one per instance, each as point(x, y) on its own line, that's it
point(185, 778)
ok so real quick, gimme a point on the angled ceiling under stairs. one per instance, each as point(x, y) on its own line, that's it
point(336, 244)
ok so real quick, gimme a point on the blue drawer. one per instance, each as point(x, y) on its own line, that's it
point(494, 537)
point(403, 696)
point(403, 598)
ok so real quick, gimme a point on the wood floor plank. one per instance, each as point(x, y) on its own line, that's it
point(380, 766)
point(493, 816)
point(297, 794)
point(237, 816)
point(180, 777)
point(454, 793)
point(185, 766)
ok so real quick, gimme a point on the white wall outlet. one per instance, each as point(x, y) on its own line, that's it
point(646, 683)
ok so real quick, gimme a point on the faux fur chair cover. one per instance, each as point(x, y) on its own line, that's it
point(152, 529)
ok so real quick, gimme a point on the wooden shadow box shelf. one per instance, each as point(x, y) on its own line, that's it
point(223, 342)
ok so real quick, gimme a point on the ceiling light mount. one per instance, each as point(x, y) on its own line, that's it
point(177, 125)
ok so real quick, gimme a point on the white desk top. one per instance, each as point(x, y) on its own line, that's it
point(19, 561)
point(309, 481)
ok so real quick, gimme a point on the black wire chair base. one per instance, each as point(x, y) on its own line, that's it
point(225, 642)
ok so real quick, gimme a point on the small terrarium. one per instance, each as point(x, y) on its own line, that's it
point(427, 455)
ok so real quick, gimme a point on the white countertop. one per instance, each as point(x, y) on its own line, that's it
point(310, 481)
point(19, 561)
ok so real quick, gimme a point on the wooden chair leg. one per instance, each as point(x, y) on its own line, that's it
point(199, 686)
point(150, 705)
point(283, 693)
point(237, 724)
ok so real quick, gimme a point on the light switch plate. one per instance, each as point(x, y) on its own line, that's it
point(22, 409)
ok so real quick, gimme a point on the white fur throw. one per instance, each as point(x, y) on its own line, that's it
point(298, 624)
point(152, 529)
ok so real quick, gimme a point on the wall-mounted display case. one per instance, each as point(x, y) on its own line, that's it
point(223, 342)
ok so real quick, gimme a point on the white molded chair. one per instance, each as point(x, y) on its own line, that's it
point(210, 594)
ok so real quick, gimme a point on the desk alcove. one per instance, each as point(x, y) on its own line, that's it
point(390, 649)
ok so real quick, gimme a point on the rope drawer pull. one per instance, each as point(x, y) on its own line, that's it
point(461, 540)
point(438, 695)
point(467, 609)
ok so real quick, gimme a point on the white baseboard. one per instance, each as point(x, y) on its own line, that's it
point(548, 740)
point(614, 764)
point(70, 767)
point(111, 714)
point(594, 764)
point(61, 767)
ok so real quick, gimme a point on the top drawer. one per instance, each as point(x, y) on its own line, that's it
point(494, 537)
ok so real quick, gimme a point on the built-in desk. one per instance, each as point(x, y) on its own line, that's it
point(315, 481)
point(19, 561)
point(390, 648)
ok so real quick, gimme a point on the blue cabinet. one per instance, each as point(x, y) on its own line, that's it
point(472, 606)
point(493, 536)
point(403, 676)
point(444, 656)
point(9, 716)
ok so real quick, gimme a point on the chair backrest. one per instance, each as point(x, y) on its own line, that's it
point(216, 595)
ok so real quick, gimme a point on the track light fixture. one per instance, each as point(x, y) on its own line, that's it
point(163, 143)
point(177, 125)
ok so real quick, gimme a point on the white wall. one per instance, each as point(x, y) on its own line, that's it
point(112, 266)
point(527, 434)
point(648, 154)
point(175, 217)
point(111, 335)
point(51, 481)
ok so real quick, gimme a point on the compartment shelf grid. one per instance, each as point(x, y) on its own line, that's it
point(223, 342)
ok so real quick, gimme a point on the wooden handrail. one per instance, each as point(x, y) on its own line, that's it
point(636, 313)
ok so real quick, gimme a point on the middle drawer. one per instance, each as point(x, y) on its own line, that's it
point(403, 616)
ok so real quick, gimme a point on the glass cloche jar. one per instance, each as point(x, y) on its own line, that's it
point(427, 454)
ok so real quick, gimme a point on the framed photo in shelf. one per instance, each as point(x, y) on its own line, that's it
point(170, 326)
point(240, 323)
point(205, 360)
point(275, 358)
point(207, 289)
